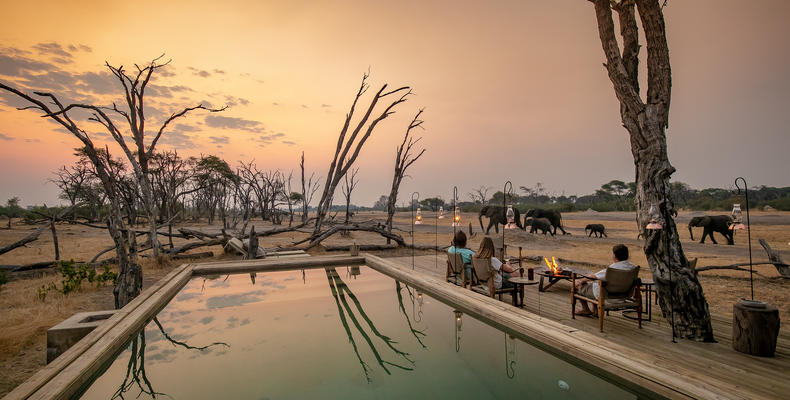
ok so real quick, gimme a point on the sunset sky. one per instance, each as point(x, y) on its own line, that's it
point(512, 90)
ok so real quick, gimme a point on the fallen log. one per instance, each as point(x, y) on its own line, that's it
point(32, 237)
point(363, 247)
point(195, 245)
point(776, 260)
point(188, 233)
point(204, 254)
point(337, 228)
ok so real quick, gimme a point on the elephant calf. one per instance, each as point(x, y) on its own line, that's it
point(597, 229)
point(536, 224)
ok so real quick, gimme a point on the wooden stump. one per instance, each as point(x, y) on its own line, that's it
point(754, 330)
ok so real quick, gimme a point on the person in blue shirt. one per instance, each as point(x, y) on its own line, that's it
point(459, 246)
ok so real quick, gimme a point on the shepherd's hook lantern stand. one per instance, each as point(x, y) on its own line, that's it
point(509, 213)
point(412, 225)
point(755, 324)
point(655, 224)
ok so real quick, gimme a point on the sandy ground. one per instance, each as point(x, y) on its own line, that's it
point(25, 318)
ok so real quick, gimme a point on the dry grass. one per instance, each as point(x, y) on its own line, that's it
point(25, 318)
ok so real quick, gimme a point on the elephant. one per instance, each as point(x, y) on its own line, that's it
point(536, 224)
point(497, 215)
point(713, 223)
point(597, 229)
point(552, 215)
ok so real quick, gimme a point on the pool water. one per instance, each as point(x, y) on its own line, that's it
point(347, 332)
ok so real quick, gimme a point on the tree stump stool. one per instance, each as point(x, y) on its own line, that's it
point(754, 330)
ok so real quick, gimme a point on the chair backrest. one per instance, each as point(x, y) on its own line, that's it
point(482, 267)
point(619, 282)
point(456, 262)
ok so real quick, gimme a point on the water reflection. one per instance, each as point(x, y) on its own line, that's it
point(135, 369)
point(416, 333)
point(458, 325)
point(510, 356)
point(339, 292)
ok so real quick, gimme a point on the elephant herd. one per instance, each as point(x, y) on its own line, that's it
point(548, 221)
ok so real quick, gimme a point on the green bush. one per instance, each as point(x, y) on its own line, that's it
point(73, 276)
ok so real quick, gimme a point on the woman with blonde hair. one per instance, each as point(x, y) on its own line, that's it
point(501, 269)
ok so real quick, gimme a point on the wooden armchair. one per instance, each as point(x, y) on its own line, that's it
point(456, 270)
point(483, 273)
point(620, 290)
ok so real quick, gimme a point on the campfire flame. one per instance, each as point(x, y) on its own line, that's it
point(553, 267)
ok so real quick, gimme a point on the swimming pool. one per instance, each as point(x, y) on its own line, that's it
point(347, 332)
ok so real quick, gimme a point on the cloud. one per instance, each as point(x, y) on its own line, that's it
point(305, 106)
point(14, 63)
point(326, 105)
point(185, 128)
point(6, 137)
point(219, 121)
point(86, 49)
point(264, 140)
point(288, 142)
point(177, 139)
point(32, 141)
point(275, 103)
point(219, 139)
point(219, 71)
point(52, 49)
point(232, 101)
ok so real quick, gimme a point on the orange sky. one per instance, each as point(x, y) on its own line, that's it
point(512, 90)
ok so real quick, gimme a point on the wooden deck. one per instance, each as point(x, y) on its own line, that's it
point(709, 364)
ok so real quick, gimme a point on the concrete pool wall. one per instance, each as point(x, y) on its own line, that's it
point(628, 368)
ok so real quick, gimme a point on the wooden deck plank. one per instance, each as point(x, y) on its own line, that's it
point(713, 364)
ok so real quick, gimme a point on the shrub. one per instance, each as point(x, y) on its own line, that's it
point(73, 276)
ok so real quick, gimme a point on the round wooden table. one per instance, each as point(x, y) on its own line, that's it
point(520, 282)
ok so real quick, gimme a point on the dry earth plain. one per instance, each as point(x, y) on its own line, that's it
point(24, 317)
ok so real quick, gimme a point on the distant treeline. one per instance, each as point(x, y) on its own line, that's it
point(619, 196)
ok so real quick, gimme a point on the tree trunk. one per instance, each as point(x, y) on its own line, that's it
point(679, 290)
point(55, 240)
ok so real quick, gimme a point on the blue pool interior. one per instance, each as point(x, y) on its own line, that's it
point(345, 332)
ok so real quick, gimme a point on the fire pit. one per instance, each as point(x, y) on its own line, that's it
point(554, 273)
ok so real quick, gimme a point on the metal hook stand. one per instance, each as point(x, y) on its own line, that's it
point(510, 356)
point(436, 240)
point(412, 226)
point(748, 229)
point(505, 192)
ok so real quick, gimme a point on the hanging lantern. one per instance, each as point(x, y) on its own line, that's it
point(418, 218)
point(441, 212)
point(655, 219)
point(457, 216)
point(737, 222)
point(511, 217)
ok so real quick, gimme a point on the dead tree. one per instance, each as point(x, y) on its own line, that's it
point(480, 195)
point(130, 278)
point(404, 158)
point(308, 190)
point(646, 121)
point(134, 86)
point(348, 147)
point(348, 186)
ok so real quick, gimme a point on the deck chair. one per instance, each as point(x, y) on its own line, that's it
point(483, 273)
point(620, 290)
point(456, 273)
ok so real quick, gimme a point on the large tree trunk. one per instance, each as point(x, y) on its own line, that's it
point(679, 290)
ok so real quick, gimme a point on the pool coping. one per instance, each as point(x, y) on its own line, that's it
point(633, 370)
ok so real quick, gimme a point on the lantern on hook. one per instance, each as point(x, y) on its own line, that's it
point(737, 218)
point(511, 217)
point(418, 218)
point(655, 219)
point(457, 216)
point(441, 212)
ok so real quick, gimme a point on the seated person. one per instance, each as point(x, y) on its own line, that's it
point(502, 270)
point(591, 288)
point(459, 246)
